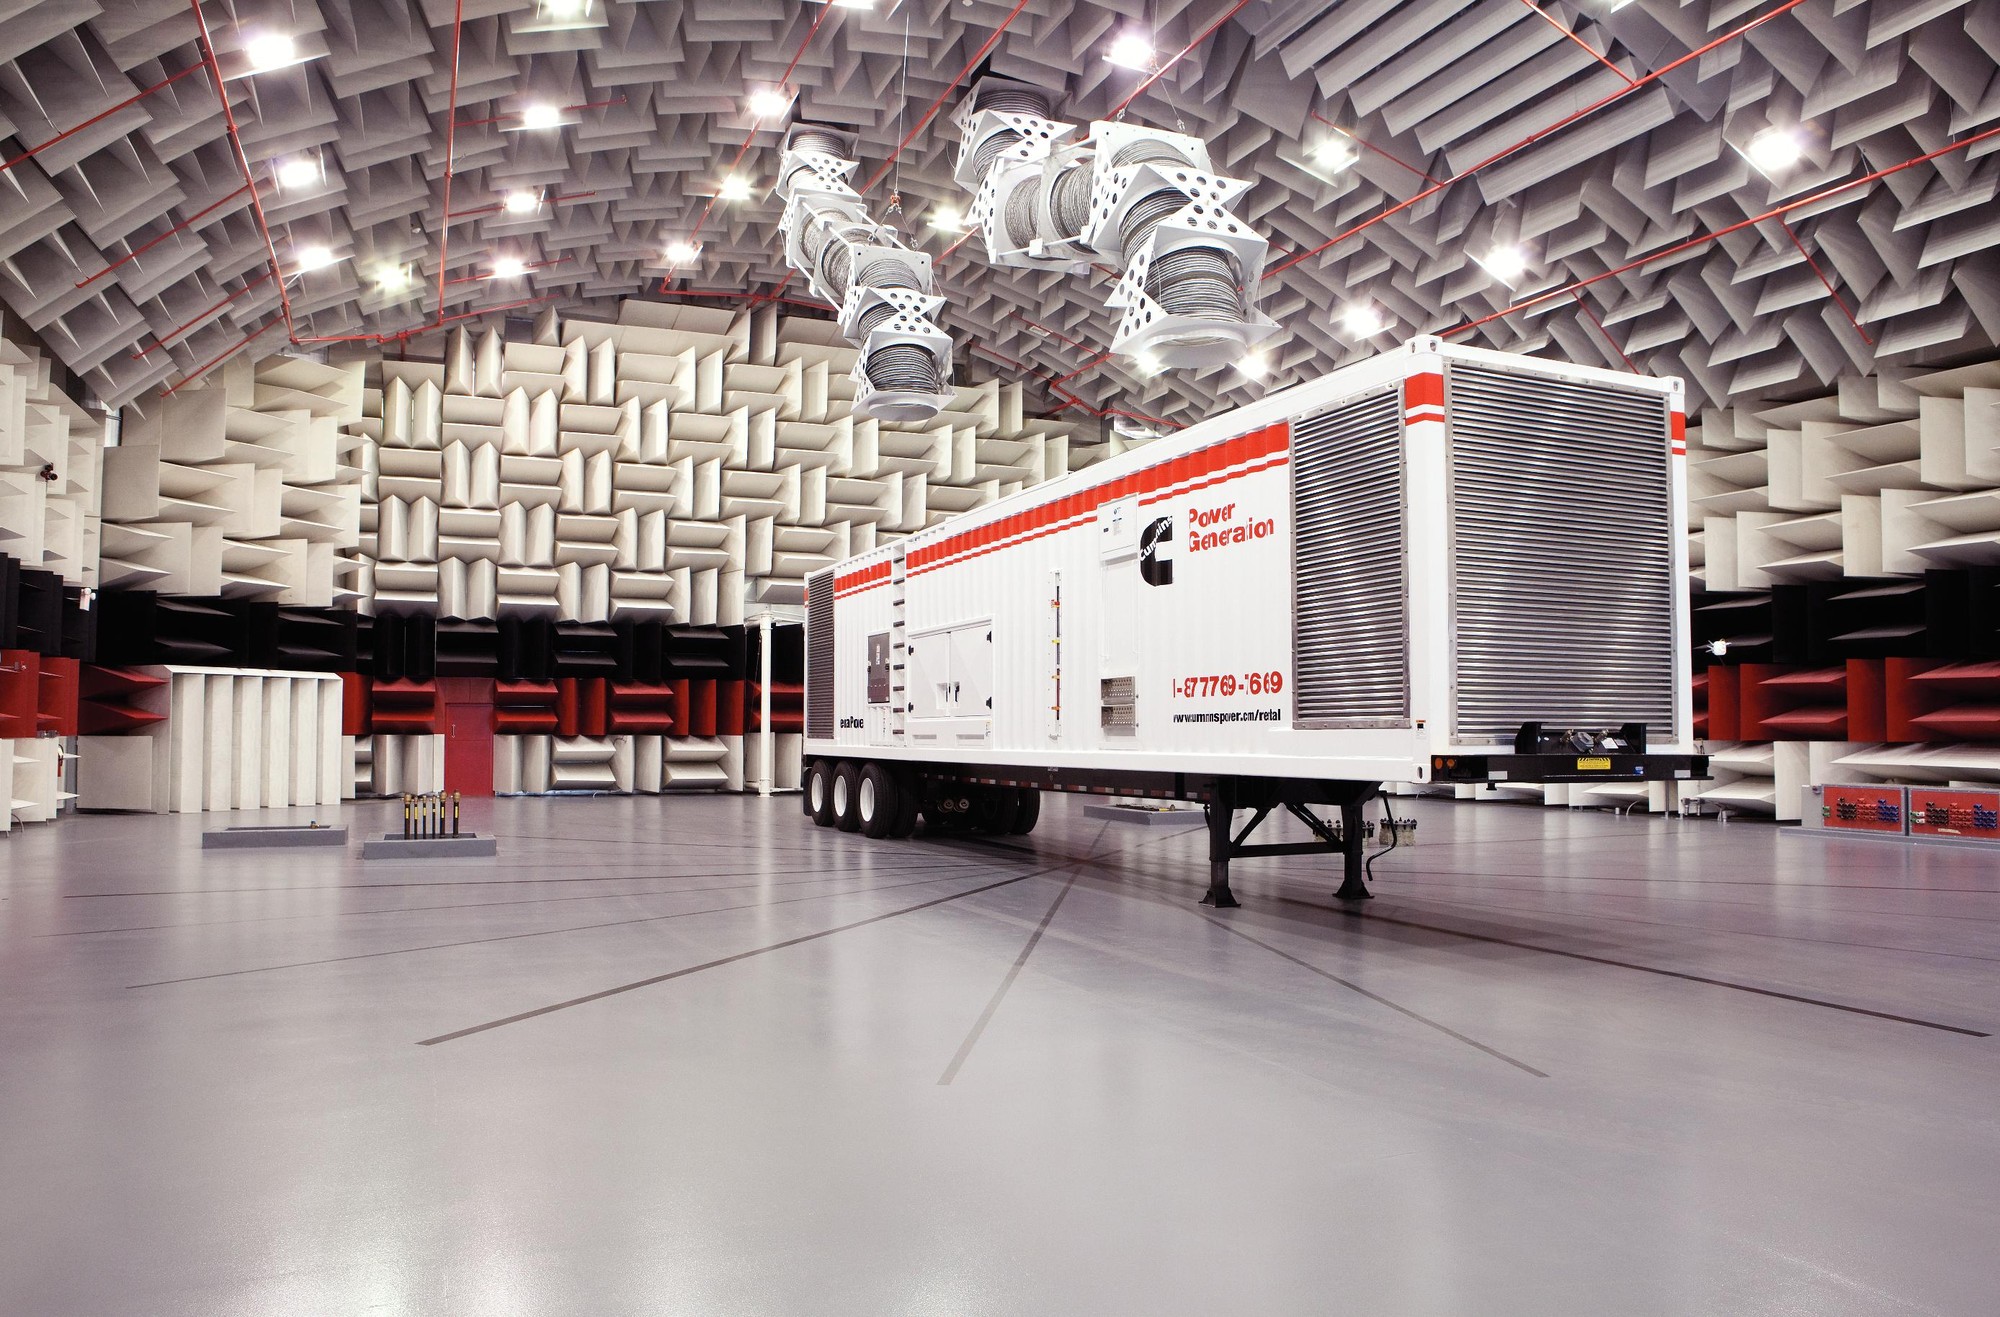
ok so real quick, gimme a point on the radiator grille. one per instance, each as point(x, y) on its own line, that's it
point(1562, 554)
point(1350, 648)
point(819, 655)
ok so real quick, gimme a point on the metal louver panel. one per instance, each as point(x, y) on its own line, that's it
point(819, 655)
point(1350, 639)
point(1562, 554)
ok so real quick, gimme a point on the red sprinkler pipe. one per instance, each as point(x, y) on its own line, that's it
point(1630, 87)
point(1706, 238)
point(162, 340)
point(101, 116)
point(1831, 291)
point(1584, 307)
point(450, 150)
point(221, 357)
point(148, 245)
point(1551, 20)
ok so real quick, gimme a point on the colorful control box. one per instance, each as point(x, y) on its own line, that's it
point(1877, 809)
point(1937, 812)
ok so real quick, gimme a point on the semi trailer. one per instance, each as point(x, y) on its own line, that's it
point(1440, 565)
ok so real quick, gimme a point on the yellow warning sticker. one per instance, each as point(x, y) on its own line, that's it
point(1593, 765)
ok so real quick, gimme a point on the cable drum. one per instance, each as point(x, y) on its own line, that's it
point(1017, 100)
point(1069, 202)
point(834, 267)
point(1145, 215)
point(883, 273)
point(1021, 211)
point(825, 143)
point(1199, 282)
point(904, 367)
point(1150, 152)
point(991, 149)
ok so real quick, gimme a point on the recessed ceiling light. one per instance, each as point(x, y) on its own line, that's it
point(301, 171)
point(273, 50)
point(770, 103)
point(541, 117)
point(1335, 154)
point(853, 4)
point(1256, 365)
point(1131, 51)
point(566, 11)
point(509, 267)
point(1775, 149)
point(682, 253)
point(950, 219)
point(313, 258)
point(1505, 263)
point(1147, 364)
point(735, 188)
point(392, 278)
point(1361, 320)
point(522, 203)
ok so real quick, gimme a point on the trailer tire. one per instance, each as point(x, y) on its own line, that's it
point(1026, 811)
point(909, 802)
point(993, 810)
point(846, 798)
point(819, 793)
point(878, 801)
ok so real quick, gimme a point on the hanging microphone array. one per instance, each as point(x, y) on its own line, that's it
point(1145, 199)
point(883, 290)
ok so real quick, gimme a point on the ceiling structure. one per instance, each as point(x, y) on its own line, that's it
point(1634, 160)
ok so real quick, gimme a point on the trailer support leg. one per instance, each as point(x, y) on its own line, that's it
point(1353, 884)
point(1221, 815)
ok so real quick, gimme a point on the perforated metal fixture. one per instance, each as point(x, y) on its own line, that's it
point(819, 651)
point(1350, 644)
point(1562, 554)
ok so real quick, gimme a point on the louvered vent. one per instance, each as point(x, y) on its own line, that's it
point(1562, 548)
point(1350, 659)
point(819, 655)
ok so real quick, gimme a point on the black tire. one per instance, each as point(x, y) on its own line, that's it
point(878, 801)
point(993, 810)
point(819, 793)
point(1026, 811)
point(909, 803)
point(846, 797)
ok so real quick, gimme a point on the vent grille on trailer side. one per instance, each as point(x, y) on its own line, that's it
point(819, 655)
point(1562, 554)
point(1350, 646)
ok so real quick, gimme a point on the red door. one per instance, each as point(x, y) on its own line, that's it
point(468, 735)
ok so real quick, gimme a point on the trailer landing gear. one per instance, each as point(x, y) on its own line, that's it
point(1261, 797)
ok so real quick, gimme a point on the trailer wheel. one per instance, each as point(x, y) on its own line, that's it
point(1026, 811)
point(993, 810)
point(878, 801)
point(909, 802)
point(819, 793)
point(846, 798)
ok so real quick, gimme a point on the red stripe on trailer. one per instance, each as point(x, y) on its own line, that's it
point(1424, 392)
point(1677, 430)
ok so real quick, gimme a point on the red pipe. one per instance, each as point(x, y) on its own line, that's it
point(971, 64)
point(1831, 291)
point(1530, 140)
point(221, 357)
point(450, 150)
point(1584, 307)
point(156, 241)
point(1370, 146)
point(68, 133)
point(1706, 238)
point(1118, 110)
point(243, 162)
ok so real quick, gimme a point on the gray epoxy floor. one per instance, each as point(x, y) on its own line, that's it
point(1567, 1063)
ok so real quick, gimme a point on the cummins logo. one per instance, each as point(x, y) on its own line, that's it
point(1156, 552)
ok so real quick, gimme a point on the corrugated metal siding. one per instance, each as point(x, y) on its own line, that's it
point(1562, 554)
point(1350, 645)
point(819, 655)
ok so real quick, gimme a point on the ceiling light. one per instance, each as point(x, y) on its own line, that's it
point(1775, 149)
point(541, 117)
point(769, 103)
point(1256, 365)
point(1505, 263)
point(1147, 364)
point(509, 267)
point(273, 50)
point(1335, 154)
point(303, 171)
point(950, 219)
point(853, 4)
point(522, 203)
point(735, 188)
point(392, 278)
point(565, 11)
point(682, 253)
point(1131, 51)
point(1361, 320)
point(312, 258)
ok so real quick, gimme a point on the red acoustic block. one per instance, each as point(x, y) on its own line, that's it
point(1904, 698)
point(105, 700)
point(1867, 707)
point(405, 708)
point(1960, 722)
point(701, 709)
point(1725, 711)
point(1808, 724)
point(20, 693)
point(593, 706)
point(354, 702)
point(569, 708)
point(729, 712)
point(641, 709)
point(56, 695)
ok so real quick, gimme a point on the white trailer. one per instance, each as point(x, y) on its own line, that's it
point(1441, 565)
